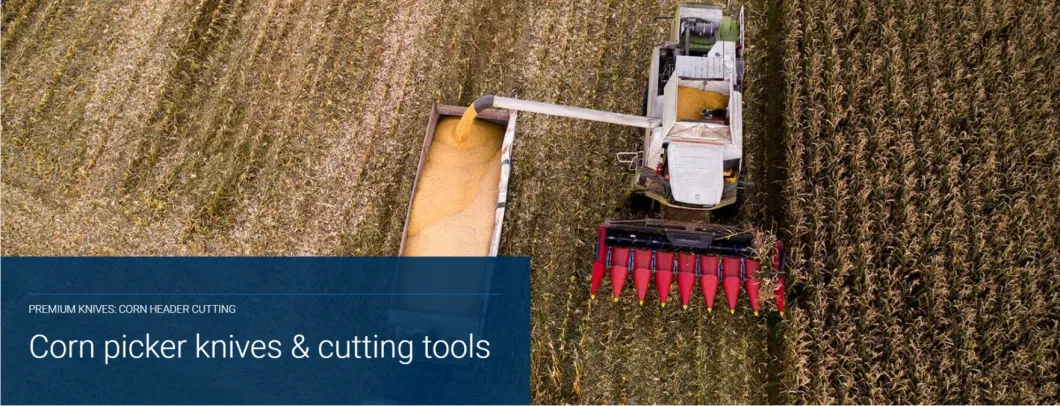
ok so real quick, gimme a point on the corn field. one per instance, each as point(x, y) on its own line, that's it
point(921, 197)
point(906, 152)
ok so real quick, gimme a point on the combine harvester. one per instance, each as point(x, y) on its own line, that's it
point(691, 163)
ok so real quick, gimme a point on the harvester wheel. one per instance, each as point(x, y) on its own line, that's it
point(638, 203)
point(624, 201)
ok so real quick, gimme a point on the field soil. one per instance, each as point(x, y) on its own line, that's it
point(906, 152)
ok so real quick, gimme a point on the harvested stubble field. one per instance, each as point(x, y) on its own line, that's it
point(907, 153)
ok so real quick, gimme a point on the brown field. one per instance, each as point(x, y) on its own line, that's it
point(907, 152)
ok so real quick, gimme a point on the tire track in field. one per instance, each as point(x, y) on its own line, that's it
point(503, 51)
point(562, 276)
point(361, 234)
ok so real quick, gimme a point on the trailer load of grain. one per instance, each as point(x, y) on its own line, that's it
point(455, 200)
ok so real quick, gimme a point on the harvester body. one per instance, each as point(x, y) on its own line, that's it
point(691, 161)
point(694, 163)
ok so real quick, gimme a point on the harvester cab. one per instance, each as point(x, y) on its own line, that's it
point(691, 162)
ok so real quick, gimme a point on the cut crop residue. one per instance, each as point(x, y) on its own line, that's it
point(456, 196)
